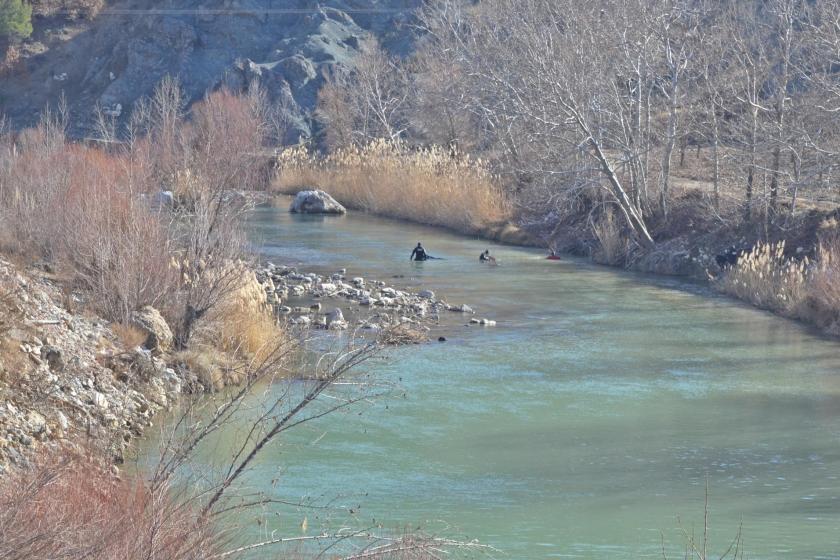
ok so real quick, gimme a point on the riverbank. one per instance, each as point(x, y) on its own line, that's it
point(584, 365)
point(691, 242)
point(427, 186)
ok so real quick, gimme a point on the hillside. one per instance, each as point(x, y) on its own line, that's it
point(121, 53)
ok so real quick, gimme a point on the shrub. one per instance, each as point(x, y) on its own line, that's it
point(242, 323)
point(71, 506)
point(613, 243)
point(823, 306)
point(431, 185)
point(768, 279)
point(15, 20)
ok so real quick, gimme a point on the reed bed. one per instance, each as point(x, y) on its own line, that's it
point(431, 186)
point(768, 279)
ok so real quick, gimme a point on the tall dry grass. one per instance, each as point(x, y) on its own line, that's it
point(613, 243)
point(429, 185)
point(768, 279)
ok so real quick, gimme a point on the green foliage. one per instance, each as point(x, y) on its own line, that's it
point(15, 19)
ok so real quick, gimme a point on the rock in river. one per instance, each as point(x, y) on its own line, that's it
point(316, 202)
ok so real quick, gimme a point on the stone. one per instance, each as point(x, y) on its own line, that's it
point(52, 356)
point(62, 420)
point(335, 315)
point(426, 294)
point(37, 423)
point(316, 202)
point(158, 334)
point(487, 322)
point(99, 400)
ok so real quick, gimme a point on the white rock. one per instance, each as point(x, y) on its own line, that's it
point(62, 420)
point(334, 315)
point(316, 202)
point(99, 400)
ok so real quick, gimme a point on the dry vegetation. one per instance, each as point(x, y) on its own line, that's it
point(71, 506)
point(768, 279)
point(430, 185)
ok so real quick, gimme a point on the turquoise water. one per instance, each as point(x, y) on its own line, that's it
point(582, 426)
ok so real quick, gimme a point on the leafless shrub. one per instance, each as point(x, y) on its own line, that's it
point(70, 506)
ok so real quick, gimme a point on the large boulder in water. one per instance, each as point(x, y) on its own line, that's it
point(316, 202)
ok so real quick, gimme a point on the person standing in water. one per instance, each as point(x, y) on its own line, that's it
point(485, 257)
point(419, 253)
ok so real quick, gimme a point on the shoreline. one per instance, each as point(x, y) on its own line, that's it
point(689, 257)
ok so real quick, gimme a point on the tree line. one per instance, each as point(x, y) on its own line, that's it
point(593, 105)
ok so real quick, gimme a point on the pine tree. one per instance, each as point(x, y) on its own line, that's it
point(15, 20)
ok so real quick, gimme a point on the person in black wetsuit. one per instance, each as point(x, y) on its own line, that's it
point(485, 256)
point(418, 254)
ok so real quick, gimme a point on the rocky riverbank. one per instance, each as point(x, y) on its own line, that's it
point(66, 379)
point(69, 378)
point(338, 302)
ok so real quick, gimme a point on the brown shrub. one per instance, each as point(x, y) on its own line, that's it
point(242, 323)
point(71, 506)
point(612, 241)
point(130, 336)
point(824, 285)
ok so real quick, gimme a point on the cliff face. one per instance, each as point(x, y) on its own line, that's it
point(288, 45)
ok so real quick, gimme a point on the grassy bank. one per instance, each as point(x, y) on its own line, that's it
point(427, 186)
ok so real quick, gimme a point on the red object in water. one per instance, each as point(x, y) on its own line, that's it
point(553, 258)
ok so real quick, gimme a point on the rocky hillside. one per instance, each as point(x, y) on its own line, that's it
point(66, 378)
point(130, 45)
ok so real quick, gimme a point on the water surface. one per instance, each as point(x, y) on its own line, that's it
point(584, 424)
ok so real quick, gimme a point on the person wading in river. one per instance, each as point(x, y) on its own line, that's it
point(419, 253)
point(485, 257)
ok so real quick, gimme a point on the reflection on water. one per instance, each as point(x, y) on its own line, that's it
point(585, 422)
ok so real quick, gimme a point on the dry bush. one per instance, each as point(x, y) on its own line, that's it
point(824, 282)
point(768, 279)
point(430, 186)
point(81, 207)
point(70, 507)
point(226, 138)
point(215, 370)
point(613, 242)
point(242, 323)
point(130, 336)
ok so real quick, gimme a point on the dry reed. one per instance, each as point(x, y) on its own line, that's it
point(768, 279)
point(430, 185)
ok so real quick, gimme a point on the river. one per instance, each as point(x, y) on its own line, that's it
point(584, 425)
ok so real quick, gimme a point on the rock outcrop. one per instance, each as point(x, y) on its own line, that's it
point(287, 47)
point(65, 377)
